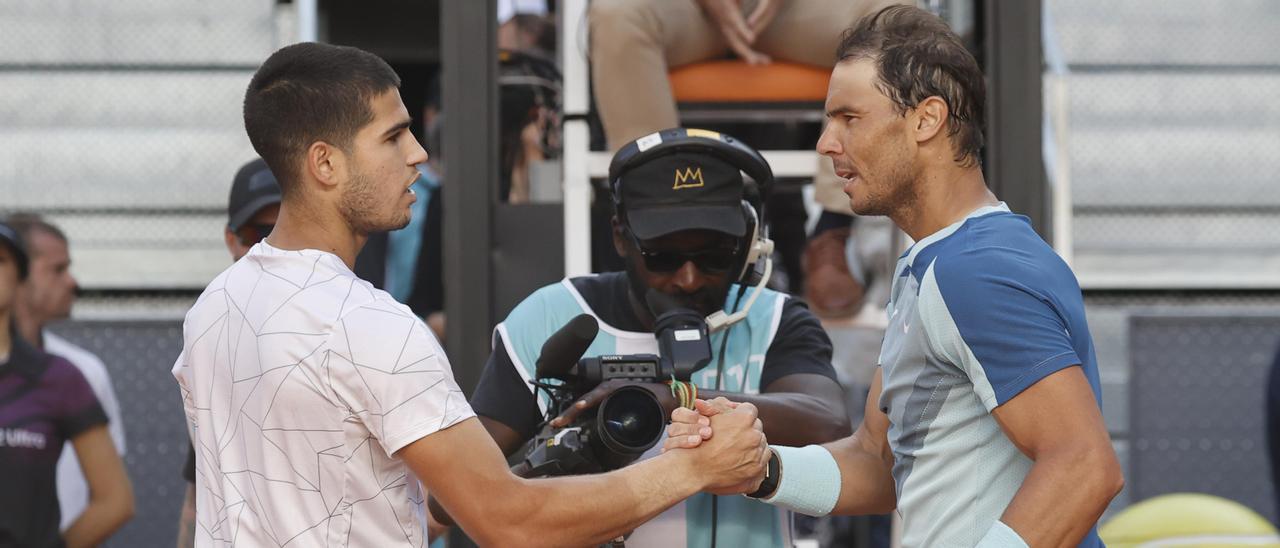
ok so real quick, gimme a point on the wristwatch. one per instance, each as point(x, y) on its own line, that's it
point(772, 476)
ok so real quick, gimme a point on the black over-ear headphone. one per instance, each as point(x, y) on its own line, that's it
point(718, 145)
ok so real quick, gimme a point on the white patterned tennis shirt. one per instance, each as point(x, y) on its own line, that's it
point(300, 381)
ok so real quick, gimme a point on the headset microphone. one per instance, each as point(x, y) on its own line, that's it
point(720, 319)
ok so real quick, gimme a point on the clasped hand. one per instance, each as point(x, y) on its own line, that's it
point(732, 433)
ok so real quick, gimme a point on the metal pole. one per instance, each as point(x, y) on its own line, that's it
point(469, 63)
point(470, 157)
point(1014, 156)
point(308, 27)
point(577, 141)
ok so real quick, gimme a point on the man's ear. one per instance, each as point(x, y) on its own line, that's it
point(619, 237)
point(326, 163)
point(929, 118)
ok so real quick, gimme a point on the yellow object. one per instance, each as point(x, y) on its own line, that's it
point(695, 132)
point(689, 178)
point(1188, 520)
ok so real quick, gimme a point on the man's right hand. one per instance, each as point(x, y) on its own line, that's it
point(734, 459)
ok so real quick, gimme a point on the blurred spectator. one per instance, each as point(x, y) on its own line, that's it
point(46, 296)
point(870, 256)
point(523, 25)
point(44, 402)
point(251, 215)
point(832, 288)
point(529, 123)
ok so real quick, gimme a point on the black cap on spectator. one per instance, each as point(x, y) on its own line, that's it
point(683, 191)
point(9, 237)
point(253, 189)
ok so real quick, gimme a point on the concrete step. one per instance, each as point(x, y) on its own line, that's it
point(226, 32)
point(1174, 100)
point(145, 250)
point(1207, 270)
point(1163, 250)
point(122, 99)
point(1227, 232)
point(1140, 166)
point(119, 167)
point(1168, 32)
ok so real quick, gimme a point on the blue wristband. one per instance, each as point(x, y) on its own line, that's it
point(810, 482)
point(1001, 536)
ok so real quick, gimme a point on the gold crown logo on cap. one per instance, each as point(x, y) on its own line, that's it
point(688, 178)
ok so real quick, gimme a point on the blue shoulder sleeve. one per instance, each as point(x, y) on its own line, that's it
point(993, 313)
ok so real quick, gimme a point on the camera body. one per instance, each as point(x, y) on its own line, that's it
point(630, 420)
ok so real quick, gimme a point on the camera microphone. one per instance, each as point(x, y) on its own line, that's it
point(564, 347)
point(683, 339)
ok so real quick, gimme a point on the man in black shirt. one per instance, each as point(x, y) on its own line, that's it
point(684, 227)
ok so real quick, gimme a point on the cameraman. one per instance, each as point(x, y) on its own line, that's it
point(684, 222)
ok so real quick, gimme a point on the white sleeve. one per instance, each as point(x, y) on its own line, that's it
point(389, 370)
point(107, 397)
point(95, 372)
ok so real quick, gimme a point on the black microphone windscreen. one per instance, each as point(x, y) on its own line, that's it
point(564, 347)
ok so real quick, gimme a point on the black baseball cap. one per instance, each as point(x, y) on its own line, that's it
point(9, 237)
point(253, 189)
point(682, 191)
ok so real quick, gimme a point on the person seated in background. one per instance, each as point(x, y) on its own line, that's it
point(45, 402)
point(695, 241)
point(46, 296)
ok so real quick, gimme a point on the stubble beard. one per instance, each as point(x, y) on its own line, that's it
point(896, 192)
point(359, 207)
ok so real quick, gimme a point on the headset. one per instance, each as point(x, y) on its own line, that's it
point(756, 187)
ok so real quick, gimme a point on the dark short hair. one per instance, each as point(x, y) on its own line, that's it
point(311, 92)
point(918, 56)
point(27, 224)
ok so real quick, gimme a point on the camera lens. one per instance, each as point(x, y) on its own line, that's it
point(631, 420)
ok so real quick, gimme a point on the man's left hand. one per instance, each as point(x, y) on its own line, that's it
point(598, 394)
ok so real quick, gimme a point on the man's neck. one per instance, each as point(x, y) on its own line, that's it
point(301, 227)
point(29, 326)
point(945, 197)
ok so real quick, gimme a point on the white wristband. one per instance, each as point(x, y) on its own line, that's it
point(1001, 536)
point(810, 482)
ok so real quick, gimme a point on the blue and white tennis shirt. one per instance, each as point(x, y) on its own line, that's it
point(980, 311)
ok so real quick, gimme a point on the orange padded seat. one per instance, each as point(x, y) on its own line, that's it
point(733, 81)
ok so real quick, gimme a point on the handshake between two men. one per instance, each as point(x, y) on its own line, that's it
point(503, 509)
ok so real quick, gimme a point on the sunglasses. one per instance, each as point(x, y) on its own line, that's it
point(253, 233)
point(712, 261)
